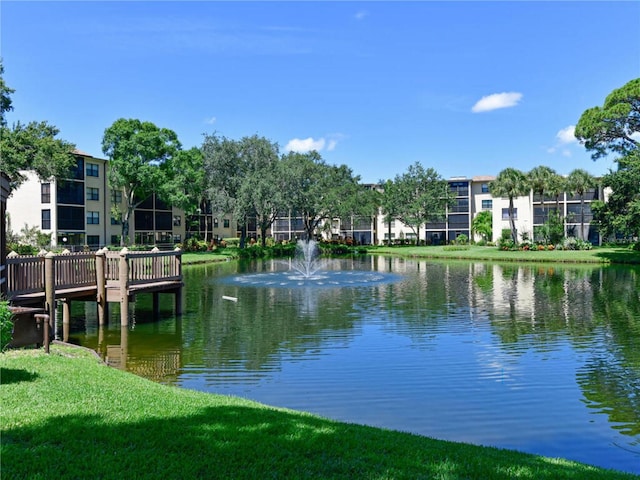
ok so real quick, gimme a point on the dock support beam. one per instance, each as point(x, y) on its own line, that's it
point(50, 284)
point(101, 284)
point(123, 279)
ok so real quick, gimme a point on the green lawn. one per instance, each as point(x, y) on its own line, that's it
point(68, 416)
point(597, 255)
point(623, 255)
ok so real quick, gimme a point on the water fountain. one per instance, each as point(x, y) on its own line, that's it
point(307, 260)
point(308, 270)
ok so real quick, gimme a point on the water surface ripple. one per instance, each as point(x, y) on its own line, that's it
point(542, 359)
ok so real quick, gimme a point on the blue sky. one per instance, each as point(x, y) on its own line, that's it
point(468, 88)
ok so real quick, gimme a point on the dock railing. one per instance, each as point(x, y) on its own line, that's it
point(45, 277)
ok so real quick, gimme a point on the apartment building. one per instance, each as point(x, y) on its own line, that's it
point(77, 211)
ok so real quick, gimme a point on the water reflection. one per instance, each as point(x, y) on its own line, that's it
point(544, 359)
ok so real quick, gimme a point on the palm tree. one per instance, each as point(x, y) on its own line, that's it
point(510, 183)
point(541, 178)
point(578, 182)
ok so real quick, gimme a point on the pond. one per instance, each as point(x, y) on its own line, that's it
point(540, 358)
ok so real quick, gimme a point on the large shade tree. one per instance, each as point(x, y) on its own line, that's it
point(136, 151)
point(421, 196)
point(223, 172)
point(510, 183)
point(185, 185)
point(614, 129)
point(317, 192)
point(262, 186)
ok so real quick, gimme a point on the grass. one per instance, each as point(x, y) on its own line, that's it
point(622, 255)
point(601, 255)
point(67, 416)
point(219, 255)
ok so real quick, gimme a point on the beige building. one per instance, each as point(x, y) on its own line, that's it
point(77, 213)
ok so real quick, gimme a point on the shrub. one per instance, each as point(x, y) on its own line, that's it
point(572, 243)
point(193, 244)
point(23, 249)
point(6, 325)
point(462, 239)
point(231, 242)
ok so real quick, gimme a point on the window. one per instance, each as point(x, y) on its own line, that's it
point(71, 193)
point(393, 224)
point(70, 218)
point(225, 223)
point(45, 193)
point(177, 220)
point(93, 193)
point(115, 220)
point(93, 170)
point(164, 221)
point(93, 240)
point(487, 204)
point(215, 223)
point(505, 214)
point(461, 205)
point(485, 188)
point(93, 218)
point(143, 221)
point(46, 220)
point(115, 239)
point(116, 197)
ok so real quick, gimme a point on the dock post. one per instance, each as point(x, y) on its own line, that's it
point(66, 311)
point(101, 286)
point(50, 285)
point(178, 292)
point(123, 278)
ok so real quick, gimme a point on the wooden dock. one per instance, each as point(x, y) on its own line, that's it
point(104, 277)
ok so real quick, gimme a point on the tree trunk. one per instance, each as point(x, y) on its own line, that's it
point(124, 239)
point(243, 235)
point(512, 222)
point(582, 235)
point(263, 234)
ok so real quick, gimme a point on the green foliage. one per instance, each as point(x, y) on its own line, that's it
point(230, 242)
point(418, 196)
point(482, 224)
point(552, 232)
point(620, 214)
point(462, 239)
point(6, 325)
point(136, 152)
point(572, 243)
point(510, 183)
point(23, 248)
point(194, 244)
point(609, 129)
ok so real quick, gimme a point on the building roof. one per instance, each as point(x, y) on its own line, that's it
point(484, 178)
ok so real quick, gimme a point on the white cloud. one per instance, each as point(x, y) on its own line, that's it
point(361, 14)
point(304, 145)
point(210, 120)
point(496, 101)
point(567, 134)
